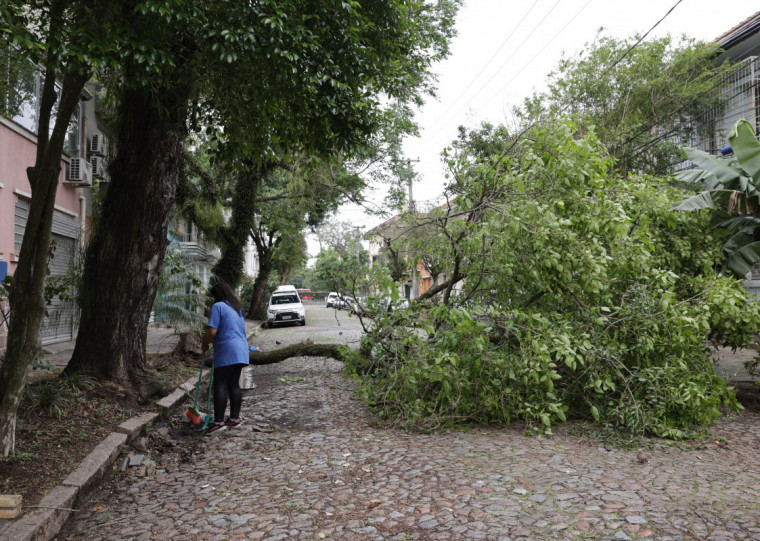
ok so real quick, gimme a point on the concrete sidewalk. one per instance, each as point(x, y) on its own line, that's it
point(729, 365)
point(161, 339)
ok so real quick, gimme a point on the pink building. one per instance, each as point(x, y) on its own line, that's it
point(17, 152)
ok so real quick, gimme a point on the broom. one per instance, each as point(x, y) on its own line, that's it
point(197, 417)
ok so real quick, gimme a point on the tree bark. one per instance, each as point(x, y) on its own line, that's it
point(125, 255)
point(26, 299)
point(260, 286)
point(302, 349)
point(230, 266)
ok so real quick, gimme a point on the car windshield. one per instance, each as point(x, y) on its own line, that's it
point(284, 299)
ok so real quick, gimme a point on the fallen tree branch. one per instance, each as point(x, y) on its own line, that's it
point(301, 349)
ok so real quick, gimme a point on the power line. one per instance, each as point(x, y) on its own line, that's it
point(607, 69)
point(537, 54)
point(498, 50)
point(556, 35)
point(641, 39)
point(515, 51)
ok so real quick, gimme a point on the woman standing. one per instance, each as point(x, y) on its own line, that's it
point(226, 328)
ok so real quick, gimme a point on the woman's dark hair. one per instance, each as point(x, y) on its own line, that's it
point(222, 292)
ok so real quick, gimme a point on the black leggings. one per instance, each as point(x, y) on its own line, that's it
point(227, 381)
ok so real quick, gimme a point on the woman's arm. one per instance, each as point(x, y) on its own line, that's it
point(208, 337)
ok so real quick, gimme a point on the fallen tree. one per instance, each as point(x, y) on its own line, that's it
point(301, 349)
point(189, 344)
point(583, 297)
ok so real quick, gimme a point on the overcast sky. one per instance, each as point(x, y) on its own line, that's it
point(505, 49)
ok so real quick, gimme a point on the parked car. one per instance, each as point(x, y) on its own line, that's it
point(344, 302)
point(359, 306)
point(285, 306)
point(331, 299)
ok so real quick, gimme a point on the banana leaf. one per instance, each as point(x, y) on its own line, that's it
point(746, 148)
point(692, 176)
point(742, 261)
point(739, 222)
point(714, 167)
point(738, 240)
point(740, 184)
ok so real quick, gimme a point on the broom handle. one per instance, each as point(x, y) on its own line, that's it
point(210, 386)
point(200, 378)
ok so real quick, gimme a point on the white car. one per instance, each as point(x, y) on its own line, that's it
point(285, 306)
point(331, 299)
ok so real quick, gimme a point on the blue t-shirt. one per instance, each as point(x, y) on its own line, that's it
point(230, 342)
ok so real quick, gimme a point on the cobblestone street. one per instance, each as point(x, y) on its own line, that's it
point(310, 462)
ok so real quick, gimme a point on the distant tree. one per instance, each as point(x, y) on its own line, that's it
point(338, 273)
point(643, 107)
point(338, 235)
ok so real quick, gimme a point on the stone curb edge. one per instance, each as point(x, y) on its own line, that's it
point(44, 523)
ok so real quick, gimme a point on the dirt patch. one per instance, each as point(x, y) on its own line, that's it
point(61, 420)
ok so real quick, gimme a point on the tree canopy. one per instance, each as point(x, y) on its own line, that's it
point(580, 295)
point(644, 103)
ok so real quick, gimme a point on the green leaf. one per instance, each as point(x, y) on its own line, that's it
point(719, 169)
point(744, 259)
point(739, 222)
point(700, 201)
point(746, 148)
point(691, 176)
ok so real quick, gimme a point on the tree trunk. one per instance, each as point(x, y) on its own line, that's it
point(125, 255)
point(260, 287)
point(302, 349)
point(26, 299)
point(230, 266)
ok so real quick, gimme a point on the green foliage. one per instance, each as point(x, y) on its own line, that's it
point(733, 193)
point(51, 397)
point(54, 396)
point(246, 292)
point(77, 382)
point(584, 296)
point(658, 88)
point(332, 272)
point(180, 297)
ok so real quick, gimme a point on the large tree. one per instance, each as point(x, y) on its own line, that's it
point(53, 36)
point(281, 78)
point(158, 76)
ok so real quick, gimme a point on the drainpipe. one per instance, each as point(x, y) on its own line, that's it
point(82, 214)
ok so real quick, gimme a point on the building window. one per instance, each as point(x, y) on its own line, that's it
point(21, 84)
point(19, 226)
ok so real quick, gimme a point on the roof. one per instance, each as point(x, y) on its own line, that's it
point(390, 224)
point(740, 32)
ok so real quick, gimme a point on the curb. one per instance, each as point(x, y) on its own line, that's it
point(44, 521)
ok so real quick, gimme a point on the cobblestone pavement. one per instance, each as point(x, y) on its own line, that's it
point(310, 462)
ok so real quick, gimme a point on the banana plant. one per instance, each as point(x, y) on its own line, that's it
point(733, 191)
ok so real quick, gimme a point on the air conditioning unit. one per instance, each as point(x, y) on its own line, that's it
point(73, 143)
point(80, 172)
point(98, 164)
point(98, 144)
